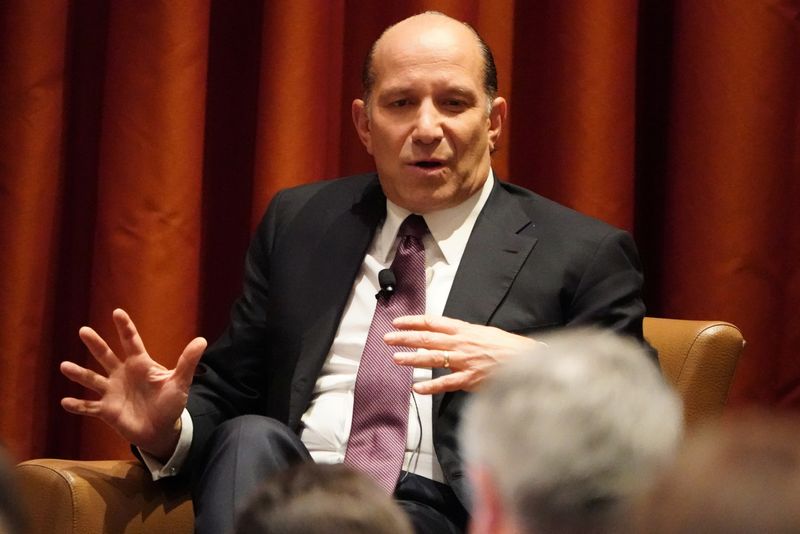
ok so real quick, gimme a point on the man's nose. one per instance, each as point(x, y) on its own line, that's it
point(428, 125)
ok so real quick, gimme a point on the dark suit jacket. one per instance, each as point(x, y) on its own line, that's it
point(530, 264)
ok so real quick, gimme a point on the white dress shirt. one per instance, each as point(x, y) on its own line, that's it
point(326, 423)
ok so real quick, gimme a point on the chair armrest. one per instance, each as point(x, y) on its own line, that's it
point(699, 358)
point(88, 497)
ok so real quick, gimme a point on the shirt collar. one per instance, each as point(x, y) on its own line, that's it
point(450, 227)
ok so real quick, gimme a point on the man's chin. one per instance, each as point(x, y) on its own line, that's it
point(433, 200)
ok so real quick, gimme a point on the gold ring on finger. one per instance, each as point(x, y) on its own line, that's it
point(446, 360)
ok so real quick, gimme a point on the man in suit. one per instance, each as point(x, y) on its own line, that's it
point(500, 264)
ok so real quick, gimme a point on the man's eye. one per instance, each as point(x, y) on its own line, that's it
point(454, 103)
point(399, 103)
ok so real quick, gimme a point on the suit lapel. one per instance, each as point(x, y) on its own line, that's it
point(500, 243)
point(336, 260)
point(495, 253)
point(496, 250)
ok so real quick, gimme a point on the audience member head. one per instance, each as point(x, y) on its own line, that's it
point(322, 499)
point(736, 475)
point(563, 439)
point(10, 511)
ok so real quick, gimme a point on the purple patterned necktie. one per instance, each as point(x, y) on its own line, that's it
point(377, 441)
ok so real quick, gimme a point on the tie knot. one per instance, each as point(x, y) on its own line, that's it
point(413, 226)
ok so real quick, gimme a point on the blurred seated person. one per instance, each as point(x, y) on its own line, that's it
point(322, 499)
point(10, 506)
point(738, 475)
point(561, 440)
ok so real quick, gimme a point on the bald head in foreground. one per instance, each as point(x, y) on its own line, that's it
point(563, 440)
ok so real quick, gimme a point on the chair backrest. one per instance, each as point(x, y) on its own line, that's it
point(699, 358)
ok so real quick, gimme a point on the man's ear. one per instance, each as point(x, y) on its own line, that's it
point(487, 507)
point(497, 118)
point(361, 122)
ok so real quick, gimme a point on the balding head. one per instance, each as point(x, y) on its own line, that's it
point(432, 21)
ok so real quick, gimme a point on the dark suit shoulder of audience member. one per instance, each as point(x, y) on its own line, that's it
point(322, 499)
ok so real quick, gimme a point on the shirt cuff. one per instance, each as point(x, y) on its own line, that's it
point(174, 464)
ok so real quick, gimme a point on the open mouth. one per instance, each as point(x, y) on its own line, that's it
point(428, 164)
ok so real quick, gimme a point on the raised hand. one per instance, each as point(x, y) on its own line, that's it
point(139, 398)
point(469, 350)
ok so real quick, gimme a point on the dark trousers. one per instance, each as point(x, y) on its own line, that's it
point(246, 450)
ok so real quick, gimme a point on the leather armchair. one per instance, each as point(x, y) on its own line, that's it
point(699, 358)
point(109, 496)
point(118, 496)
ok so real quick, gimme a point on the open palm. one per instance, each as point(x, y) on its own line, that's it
point(139, 398)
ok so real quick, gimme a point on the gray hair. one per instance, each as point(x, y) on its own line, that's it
point(571, 433)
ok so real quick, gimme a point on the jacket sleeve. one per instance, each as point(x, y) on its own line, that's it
point(609, 293)
point(231, 375)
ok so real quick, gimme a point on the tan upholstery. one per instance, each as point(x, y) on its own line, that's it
point(74, 497)
point(699, 358)
point(114, 496)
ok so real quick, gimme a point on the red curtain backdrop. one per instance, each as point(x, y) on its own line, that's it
point(141, 140)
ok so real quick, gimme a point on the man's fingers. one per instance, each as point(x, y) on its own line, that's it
point(188, 360)
point(85, 377)
point(433, 323)
point(419, 339)
point(99, 349)
point(128, 335)
point(81, 407)
point(443, 384)
point(427, 358)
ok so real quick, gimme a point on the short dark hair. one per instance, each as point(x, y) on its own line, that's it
point(322, 499)
point(489, 67)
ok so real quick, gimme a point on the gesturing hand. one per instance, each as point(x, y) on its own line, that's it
point(139, 398)
point(469, 350)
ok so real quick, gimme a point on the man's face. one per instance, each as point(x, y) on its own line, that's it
point(427, 122)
